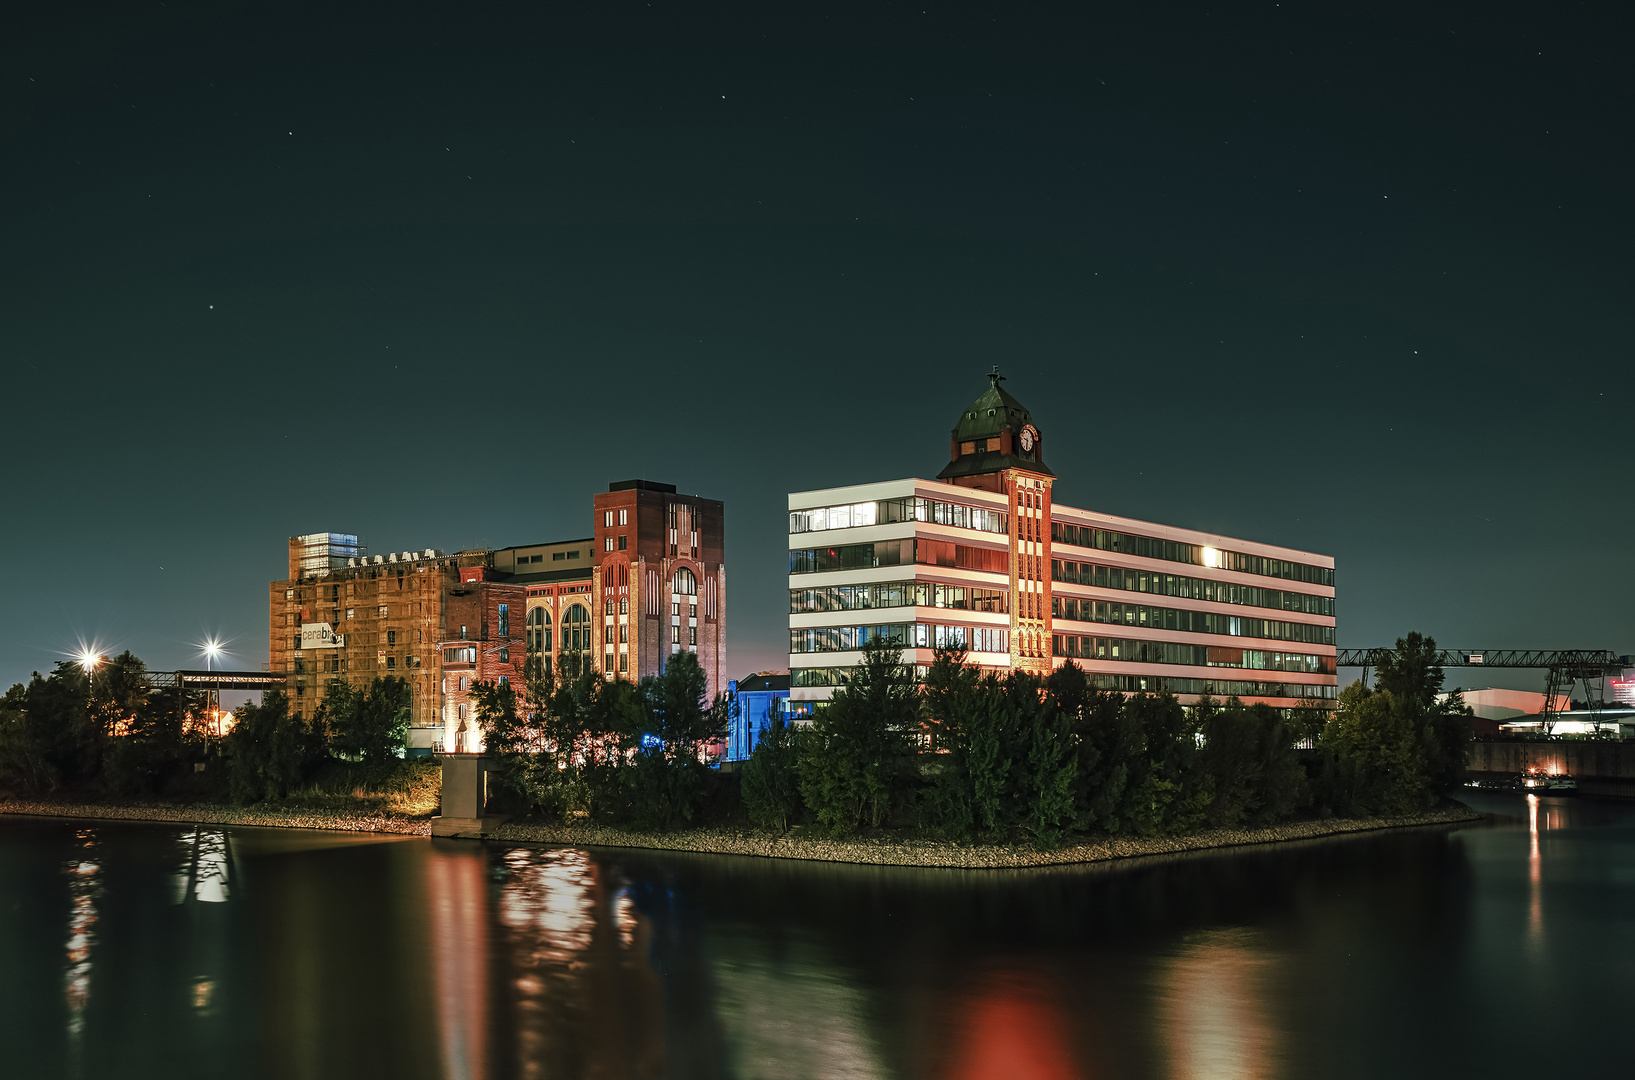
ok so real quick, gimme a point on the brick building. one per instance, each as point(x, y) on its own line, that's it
point(649, 583)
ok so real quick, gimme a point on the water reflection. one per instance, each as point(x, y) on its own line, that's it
point(787, 1009)
point(1212, 1016)
point(205, 870)
point(457, 889)
point(84, 890)
point(234, 952)
point(1014, 1025)
point(586, 999)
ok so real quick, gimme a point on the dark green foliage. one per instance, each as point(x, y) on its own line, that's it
point(1249, 764)
point(611, 750)
point(670, 778)
point(770, 782)
point(271, 753)
point(1394, 749)
point(1009, 757)
point(370, 725)
point(980, 757)
point(855, 762)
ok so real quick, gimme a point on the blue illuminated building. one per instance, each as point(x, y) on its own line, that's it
point(758, 697)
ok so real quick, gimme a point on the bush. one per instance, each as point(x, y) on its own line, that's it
point(270, 752)
point(770, 783)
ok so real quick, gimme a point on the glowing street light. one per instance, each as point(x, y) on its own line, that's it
point(88, 659)
point(212, 649)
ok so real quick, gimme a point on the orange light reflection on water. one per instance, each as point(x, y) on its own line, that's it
point(1015, 1028)
point(457, 886)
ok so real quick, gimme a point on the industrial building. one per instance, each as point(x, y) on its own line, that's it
point(649, 582)
point(983, 557)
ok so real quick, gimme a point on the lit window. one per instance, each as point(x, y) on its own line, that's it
point(348, 613)
point(382, 611)
point(607, 519)
point(607, 545)
point(624, 517)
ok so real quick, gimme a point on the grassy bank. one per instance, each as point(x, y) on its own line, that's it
point(397, 798)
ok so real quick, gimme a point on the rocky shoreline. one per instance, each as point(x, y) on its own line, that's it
point(883, 851)
point(900, 851)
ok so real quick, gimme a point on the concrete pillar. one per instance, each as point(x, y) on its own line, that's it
point(465, 797)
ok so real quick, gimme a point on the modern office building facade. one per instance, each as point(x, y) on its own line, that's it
point(984, 557)
point(649, 582)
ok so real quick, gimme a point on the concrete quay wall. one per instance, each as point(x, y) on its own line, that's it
point(1600, 767)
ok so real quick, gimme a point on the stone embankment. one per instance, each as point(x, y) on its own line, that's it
point(203, 814)
point(882, 851)
point(899, 851)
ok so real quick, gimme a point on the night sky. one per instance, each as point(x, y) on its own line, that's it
point(1351, 281)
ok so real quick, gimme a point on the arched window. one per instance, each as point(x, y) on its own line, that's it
point(576, 628)
point(539, 636)
point(684, 583)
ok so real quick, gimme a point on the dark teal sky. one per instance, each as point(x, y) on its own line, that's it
point(1353, 283)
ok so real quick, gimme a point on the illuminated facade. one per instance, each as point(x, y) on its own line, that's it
point(648, 583)
point(984, 557)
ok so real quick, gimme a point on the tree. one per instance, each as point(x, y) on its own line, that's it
point(271, 753)
point(855, 758)
point(369, 725)
point(1248, 763)
point(1410, 672)
point(771, 780)
point(1377, 737)
point(668, 773)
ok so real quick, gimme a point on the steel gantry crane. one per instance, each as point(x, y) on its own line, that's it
point(1563, 667)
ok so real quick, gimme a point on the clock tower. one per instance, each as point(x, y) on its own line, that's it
point(996, 447)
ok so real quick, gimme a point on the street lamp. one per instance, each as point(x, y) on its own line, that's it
point(212, 649)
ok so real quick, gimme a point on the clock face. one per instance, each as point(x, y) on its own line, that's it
point(1027, 440)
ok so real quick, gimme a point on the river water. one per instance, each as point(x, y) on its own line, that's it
point(1494, 950)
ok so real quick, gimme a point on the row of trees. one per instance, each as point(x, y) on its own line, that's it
point(976, 755)
point(606, 749)
point(972, 755)
point(108, 731)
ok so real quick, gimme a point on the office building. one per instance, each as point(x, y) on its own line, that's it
point(984, 557)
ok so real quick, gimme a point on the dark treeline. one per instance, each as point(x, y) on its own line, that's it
point(609, 750)
point(974, 756)
point(108, 732)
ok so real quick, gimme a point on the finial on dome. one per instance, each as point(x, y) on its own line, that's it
point(996, 377)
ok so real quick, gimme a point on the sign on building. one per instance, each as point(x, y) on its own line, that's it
point(320, 635)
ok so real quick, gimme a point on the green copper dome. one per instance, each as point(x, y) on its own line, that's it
point(989, 437)
point(992, 413)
